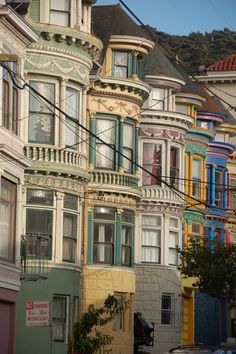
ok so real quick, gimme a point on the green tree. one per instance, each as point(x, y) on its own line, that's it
point(214, 266)
point(87, 337)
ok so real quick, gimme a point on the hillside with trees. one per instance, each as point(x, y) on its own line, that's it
point(198, 48)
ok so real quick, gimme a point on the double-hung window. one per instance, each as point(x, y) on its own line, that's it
point(174, 166)
point(152, 164)
point(128, 146)
point(218, 188)
point(127, 237)
point(103, 235)
point(73, 110)
point(196, 178)
point(41, 116)
point(196, 231)
point(105, 154)
point(60, 12)
point(167, 309)
point(39, 221)
point(173, 240)
point(70, 220)
point(7, 219)
point(9, 100)
point(60, 317)
point(121, 63)
point(118, 321)
point(151, 238)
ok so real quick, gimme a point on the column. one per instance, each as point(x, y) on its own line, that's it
point(136, 130)
point(90, 237)
point(57, 236)
point(118, 240)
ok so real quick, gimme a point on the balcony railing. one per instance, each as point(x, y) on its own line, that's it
point(114, 178)
point(39, 154)
point(35, 252)
point(158, 193)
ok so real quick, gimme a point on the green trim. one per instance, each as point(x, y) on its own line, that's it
point(90, 238)
point(196, 149)
point(134, 65)
point(130, 66)
point(117, 243)
point(193, 217)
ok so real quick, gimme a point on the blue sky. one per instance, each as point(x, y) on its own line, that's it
point(182, 17)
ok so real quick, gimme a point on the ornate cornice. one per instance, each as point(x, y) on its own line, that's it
point(155, 207)
point(196, 148)
point(119, 95)
point(56, 183)
point(111, 200)
point(162, 133)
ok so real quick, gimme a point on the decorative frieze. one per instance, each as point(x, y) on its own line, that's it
point(111, 200)
point(161, 133)
point(55, 182)
point(115, 107)
point(160, 208)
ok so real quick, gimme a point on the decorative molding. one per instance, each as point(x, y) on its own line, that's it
point(118, 95)
point(57, 183)
point(120, 202)
point(54, 65)
point(197, 149)
point(13, 44)
point(193, 217)
point(157, 132)
point(117, 107)
point(161, 208)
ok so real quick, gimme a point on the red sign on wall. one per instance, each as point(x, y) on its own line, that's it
point(37, 314)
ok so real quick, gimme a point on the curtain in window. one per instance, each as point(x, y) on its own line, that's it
point(121, 64)
point(173, 254)
point(105, 156)
point(128, 144)
point(151, 246)
point(5, 230)
point(59, 312)
point(152, 163)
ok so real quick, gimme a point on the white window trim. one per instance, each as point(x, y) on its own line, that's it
point(153, 228)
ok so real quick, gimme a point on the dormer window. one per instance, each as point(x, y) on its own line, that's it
point(60, 12)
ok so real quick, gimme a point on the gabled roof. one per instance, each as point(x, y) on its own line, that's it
point(157, 63)
point(228, 64)
point(113, 20)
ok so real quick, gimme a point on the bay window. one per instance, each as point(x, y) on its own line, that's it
point(7, 219)
point(127, 237)
point(151, 238)
point(174, 166)
point(9, 100)
point(105, 155)
point(39, 221)
point(70, 227)
point(103, 235)
point(196, 177)
point(60, 12)
point(41, 117)
point(152, 163)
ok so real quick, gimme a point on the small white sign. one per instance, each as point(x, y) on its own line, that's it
point(37, 314)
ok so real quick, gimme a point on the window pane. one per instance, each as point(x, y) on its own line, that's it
point(173, 222)
point(72, 102)
point(39, 197)
point(128, 136)
point(151, 220)
point(7, 219)
point(196, 168)
point(59, 18)
point(36, 103)
point(182, 108)
point(39, 222)
point(166, 309)
point(106, 130)
point(105, 157)
point(104, 213)
point(60, 5)
point(127, 216)
point(174, 166)
point(103, 253)
point(121, 58)
point(158, 97)
point(69, 249)
point(70, 201)
point(59, 317)
point(69, 225)
point(71, 134)
point(152, 163)
point(41, 128)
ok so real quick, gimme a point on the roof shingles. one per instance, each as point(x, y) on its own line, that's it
point(228, 64)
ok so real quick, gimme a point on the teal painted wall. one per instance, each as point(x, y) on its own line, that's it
point(37, 340)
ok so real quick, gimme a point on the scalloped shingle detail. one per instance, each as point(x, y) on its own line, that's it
point(224, 64)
